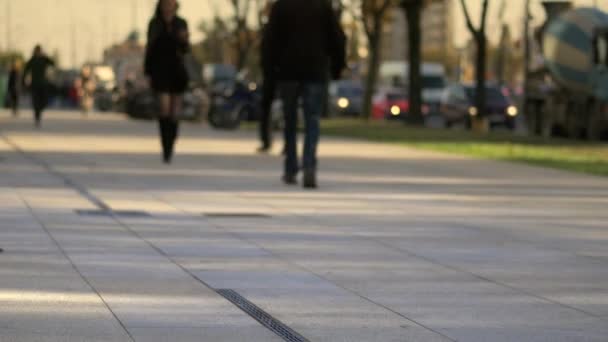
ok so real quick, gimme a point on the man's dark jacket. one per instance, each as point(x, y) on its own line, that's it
point(304, 41)
point(38, 67)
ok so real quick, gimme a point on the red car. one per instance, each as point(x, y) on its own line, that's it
point(390, 103)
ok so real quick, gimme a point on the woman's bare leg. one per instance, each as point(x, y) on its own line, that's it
point(164, 100)
point(176, 106)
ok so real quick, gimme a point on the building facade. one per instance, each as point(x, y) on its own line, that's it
point(437, 32)
point(126, 58)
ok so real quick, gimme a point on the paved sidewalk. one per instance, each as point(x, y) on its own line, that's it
point(397, 245)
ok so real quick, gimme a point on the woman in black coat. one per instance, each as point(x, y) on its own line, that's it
point(168, 42)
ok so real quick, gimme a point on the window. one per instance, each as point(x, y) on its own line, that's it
point(493, 94)
point(433, 82)
point(456, 95)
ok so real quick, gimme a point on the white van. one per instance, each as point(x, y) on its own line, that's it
point(434, 80)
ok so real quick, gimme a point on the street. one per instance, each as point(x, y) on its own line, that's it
point(102, 242)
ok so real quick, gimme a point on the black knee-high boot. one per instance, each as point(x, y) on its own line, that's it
point(173, 134)
point(164, 130)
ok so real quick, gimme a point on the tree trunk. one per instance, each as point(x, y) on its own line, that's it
point(241, 52)
point(413, 12)
point(372, 71)
point(241, 59)
point(525, 105)
point(501, 58)
point(480, 98)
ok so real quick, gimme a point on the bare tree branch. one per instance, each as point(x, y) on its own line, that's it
point(373, 15)
point(384, 7)
point(467, 17)
point(484, 16)
point(243, 37)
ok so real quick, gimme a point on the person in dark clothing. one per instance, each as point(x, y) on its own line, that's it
point(168, 42)
point(269, 90)
point(36, 70)
point(14, 87)
point(306, 43)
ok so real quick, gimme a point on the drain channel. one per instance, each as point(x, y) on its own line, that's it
point(273, 324)
point(119, 213)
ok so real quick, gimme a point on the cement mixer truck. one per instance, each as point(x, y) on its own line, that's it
point(568, 93)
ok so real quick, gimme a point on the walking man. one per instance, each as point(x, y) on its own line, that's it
point(305, 44)
point(268, 94)
point(36, 70)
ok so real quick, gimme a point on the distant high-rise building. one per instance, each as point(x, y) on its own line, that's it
point(437, 29)
point(126, 58)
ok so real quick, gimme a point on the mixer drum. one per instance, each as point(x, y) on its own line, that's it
point(568, 49)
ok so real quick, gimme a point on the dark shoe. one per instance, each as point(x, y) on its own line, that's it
point(290, 179)
point(263, 149)
point(310, 180)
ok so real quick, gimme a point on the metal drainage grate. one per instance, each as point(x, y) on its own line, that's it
point(238, 215)
point(119, 213)
point(273, 324)
point(131, 213)
point(92, 212)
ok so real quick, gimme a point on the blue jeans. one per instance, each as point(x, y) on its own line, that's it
point(311, 95)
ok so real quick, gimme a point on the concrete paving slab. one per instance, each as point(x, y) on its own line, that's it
point(170, 303)
point(229, 333)
point(397, 244)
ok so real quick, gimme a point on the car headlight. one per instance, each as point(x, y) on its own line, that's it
point(512, 111)
point(473, 111)
point(343, 102)
point(395, 110)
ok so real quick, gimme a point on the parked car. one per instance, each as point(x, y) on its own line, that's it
point(345, 98)
point(458, 106)
point(214, 75)
point(105, 88)
point(143, 104)
point(66, 88)
point(3, 90)
point(390, 103)
point(396, 74)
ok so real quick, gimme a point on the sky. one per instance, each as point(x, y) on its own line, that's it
point(79, 30)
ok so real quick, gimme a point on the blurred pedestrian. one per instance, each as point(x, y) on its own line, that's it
point(14, 86)
point(269, 90)
point(86, 90)
point(168, 42)
point(35, 77)
point(306, 43)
